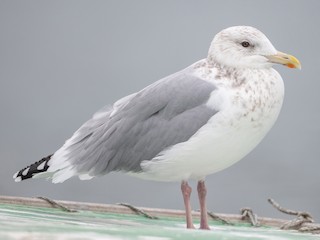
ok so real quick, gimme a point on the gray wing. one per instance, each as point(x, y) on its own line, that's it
point(142, 125)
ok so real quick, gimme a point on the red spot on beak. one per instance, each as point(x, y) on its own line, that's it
point(290, 65)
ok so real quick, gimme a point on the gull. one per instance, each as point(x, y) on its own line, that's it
point(190, 124)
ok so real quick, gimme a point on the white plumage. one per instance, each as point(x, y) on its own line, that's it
point(190, 124)
point(244, 118)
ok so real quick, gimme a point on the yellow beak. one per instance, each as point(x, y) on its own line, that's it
point(285, 59)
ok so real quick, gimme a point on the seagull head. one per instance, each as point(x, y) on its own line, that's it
point(247, 47)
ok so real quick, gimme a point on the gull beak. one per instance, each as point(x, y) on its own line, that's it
point(284, 59)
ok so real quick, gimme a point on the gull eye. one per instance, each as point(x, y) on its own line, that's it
point(245, 44)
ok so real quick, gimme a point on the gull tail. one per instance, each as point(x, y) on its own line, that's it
point(36, 169)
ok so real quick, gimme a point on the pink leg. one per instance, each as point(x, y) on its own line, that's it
point(186, 192)
point(202, 192)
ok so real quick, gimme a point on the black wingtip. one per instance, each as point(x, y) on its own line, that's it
point(30, 171)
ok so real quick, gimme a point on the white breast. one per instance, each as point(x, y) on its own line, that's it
point(247, 111)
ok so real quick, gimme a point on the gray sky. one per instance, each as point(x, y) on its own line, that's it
point(60, 61)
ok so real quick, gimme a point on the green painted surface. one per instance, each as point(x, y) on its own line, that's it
point(23, 222)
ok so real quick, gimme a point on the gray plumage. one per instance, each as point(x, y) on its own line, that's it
point(170, 131)
point(165, 113)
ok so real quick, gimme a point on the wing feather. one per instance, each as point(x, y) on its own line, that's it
point(137, 128)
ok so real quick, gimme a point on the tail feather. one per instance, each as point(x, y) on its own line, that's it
point(32, 170)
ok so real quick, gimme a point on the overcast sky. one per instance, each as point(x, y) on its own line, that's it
point(60, 61)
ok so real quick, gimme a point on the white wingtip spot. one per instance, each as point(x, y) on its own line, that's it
point(41, 166)
point(17, 179)
point(25, 172)
point(15, 175)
